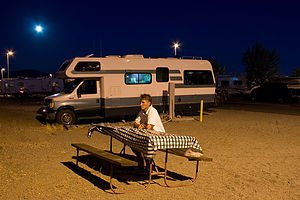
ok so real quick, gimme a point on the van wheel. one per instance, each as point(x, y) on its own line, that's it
point(280, 100)
point(253, 96)
point(66, 117)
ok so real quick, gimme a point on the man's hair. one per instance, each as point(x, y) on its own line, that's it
point(146, 97)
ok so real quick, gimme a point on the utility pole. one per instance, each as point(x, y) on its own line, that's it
point(172, 101)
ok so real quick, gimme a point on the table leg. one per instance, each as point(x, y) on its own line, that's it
point(110, 148)
point(123, 150)
point(126, 191)
point(179, 185)
point(77, 155)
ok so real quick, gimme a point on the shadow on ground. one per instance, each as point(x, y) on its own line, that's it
point(125, 174)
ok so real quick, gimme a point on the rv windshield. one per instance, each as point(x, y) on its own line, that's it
point(70, 86)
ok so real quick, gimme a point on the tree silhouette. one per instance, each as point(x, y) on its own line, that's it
point(296, 72)
point(217, 67)
point(260, 64)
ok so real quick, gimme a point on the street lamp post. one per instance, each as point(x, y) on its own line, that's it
point(2, 70)
point(176, 45)
point(9, 53)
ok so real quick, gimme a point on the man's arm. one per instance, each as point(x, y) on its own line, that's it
point(151, 120)
point(154, 121)
point(135, 125)
point(149, 126)
point(137, 122)
point(139, 126)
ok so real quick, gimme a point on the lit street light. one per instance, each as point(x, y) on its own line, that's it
point(9, 53)
point(2, 70)
point(176, 45)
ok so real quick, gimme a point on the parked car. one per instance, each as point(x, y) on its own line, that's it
point(274, 92)
point(295, 94)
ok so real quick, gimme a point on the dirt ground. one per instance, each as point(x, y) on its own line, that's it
point(255, 150)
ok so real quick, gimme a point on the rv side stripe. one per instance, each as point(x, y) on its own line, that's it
point(180, 85)
point(154, 105)
point(175, 78)
point(174, 71)
point(156, 100)
point(124, 71)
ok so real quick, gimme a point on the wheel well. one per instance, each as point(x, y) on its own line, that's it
point(66, 108)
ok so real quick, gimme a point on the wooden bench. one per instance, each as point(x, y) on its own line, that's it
point(113, 159)
point(116, 160)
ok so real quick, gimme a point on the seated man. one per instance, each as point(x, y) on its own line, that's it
point(147, 118)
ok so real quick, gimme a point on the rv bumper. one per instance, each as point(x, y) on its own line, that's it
point(47, 113)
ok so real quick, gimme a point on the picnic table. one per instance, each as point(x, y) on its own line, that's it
point(148, 142)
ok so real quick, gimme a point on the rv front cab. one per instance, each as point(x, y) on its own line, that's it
point(79, 99)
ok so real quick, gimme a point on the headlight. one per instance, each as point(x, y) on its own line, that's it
point(51, 105)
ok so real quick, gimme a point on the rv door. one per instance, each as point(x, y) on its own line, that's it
point(88, 99)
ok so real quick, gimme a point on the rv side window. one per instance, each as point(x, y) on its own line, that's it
point(88, 87)
point(87, 67)
point(198, 77)
point(162, 74)
point(138, 78)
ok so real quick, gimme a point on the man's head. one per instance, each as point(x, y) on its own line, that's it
point(145, 101)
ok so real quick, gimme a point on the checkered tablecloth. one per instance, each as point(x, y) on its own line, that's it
point(148, 141)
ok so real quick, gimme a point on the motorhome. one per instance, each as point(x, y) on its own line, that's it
point(232, 84)
point(111, 86)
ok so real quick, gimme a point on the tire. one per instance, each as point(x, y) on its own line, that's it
point(218, 100)
point(66, 117)
point(281, 100)
point(253, 96)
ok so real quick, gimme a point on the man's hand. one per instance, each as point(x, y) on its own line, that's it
point(149, 127)
point(141, 126)
point(136, 125)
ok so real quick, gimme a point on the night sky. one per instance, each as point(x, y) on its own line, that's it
point(208, 29)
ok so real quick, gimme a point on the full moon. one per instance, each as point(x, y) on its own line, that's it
point(39, 28)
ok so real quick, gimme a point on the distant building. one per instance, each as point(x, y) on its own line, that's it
point(29, 86)
point(233, 84)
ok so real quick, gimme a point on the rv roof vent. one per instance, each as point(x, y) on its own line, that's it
point(133, 56)
point(113, 56)
point(192, 57)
